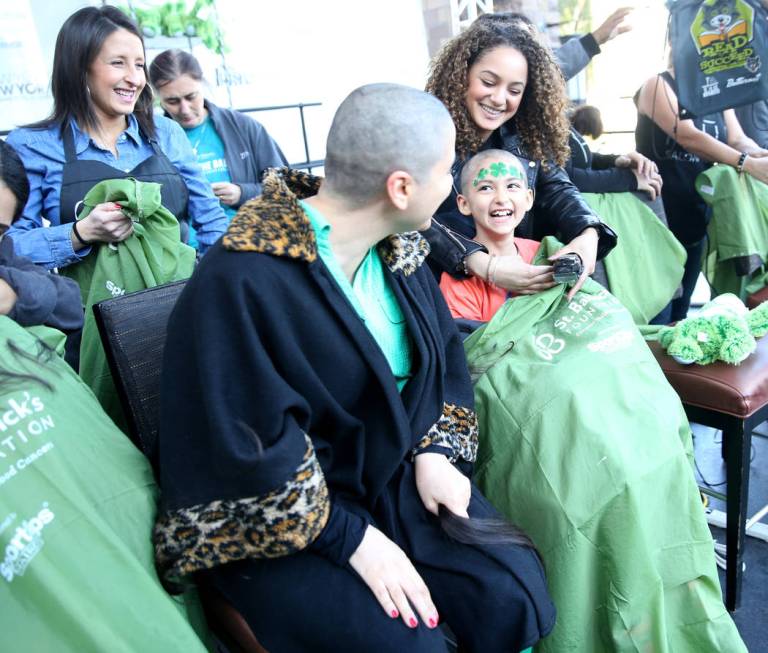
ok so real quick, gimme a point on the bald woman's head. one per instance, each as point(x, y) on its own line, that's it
point(380, 128)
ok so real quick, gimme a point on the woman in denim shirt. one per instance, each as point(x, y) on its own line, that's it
point(102, 127)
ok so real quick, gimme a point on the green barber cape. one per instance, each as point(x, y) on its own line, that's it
point(77, 507)
point(738, 229)
point(153, 255)
point(646, 267)
point(585, 446)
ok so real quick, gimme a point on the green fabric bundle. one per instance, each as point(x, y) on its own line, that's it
point(723, 330)
point(738, 229)
point(153, 255)
point(646, 267)
point(77, 507)
point(585, 446)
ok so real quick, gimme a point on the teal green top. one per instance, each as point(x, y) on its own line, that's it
point(212, 159)
point(372, 298)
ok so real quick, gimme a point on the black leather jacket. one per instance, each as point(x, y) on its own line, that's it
point(558, 210)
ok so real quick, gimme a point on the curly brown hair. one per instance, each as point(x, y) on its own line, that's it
point(541, 120)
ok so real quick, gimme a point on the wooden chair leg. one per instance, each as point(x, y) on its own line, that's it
point(736, 438)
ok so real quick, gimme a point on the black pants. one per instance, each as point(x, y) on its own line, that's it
point(691, 272)
point(494, 598)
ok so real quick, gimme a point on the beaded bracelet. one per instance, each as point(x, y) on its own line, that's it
point(740, 164)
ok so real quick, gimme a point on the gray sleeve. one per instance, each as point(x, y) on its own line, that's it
point(574, 55)
point(267, 154)
point(42, 297)
point(753, 119)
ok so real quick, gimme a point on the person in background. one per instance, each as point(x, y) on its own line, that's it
point(232, 149)
point(593, 172)
point(574, 55)
point(29, 294)
point(504, 91)
point(682, 149)
point(754, 120)
point(102, 127)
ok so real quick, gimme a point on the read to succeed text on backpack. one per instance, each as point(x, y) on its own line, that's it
point(719, 49)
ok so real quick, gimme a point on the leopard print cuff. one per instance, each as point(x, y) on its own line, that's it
point(272, 525)
point(455, 430)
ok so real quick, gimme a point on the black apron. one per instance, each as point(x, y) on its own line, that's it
point(79, 176)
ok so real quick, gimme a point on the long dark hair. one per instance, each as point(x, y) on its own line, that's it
point(78, 44)
point(13, 175)
point(27, 366)
point(169, 65)
point(482, 531)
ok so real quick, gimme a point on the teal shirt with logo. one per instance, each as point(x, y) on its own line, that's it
point(209, 150)
point(372, 298)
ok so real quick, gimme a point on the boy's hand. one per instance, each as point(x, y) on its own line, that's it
point(439, 482)
point(392, 578)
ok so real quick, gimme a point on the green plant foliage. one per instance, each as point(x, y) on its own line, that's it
point(175, 19)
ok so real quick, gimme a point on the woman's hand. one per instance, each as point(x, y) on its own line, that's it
point(227, 193)
point(392, 578)
point(757, 167)
point(585, 245)
point(439, 482)
point(648, 184)
point(637, 161)
point(106, 223)
point(512, 273)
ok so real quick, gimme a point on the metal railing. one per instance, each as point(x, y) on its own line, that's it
point(307, 164)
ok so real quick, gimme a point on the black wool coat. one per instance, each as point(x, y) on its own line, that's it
point(281, 422)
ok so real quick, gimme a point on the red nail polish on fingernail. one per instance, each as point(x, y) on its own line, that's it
point(432, 623)
point(394, 614)
point(413, 623)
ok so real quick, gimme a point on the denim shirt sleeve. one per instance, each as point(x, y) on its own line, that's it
point(205, 212)
point(50, 247)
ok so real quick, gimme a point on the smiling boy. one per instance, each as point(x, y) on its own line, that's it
point(495, 192)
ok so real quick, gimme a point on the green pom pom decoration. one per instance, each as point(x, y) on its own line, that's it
point(722, 331)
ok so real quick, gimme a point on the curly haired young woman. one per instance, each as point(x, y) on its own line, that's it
point(504, 90)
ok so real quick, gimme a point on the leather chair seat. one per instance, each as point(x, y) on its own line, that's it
point(738, 390)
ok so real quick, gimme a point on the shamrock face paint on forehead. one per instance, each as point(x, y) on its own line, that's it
point(499, 169)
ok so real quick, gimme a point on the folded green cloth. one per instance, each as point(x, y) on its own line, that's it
point(737, 232)
point(153, 255)
point(646, 267)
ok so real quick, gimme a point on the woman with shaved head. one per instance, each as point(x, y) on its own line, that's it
point(322, 481)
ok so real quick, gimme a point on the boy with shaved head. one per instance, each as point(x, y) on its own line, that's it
point(495, 193)
point(319, 415)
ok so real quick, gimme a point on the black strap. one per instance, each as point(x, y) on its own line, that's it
point(69, 144)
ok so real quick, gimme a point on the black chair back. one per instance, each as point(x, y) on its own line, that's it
point(133, 331)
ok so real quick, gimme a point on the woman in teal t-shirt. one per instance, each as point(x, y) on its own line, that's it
point(232, 149)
